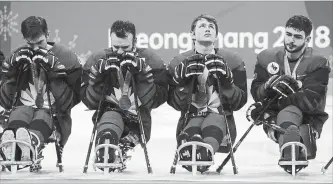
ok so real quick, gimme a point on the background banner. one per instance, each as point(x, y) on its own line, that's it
point(244, 27)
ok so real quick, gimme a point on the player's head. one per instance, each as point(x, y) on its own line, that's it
point(297, 35)
point(204, 28)
point(123, 36)
point(35, 32)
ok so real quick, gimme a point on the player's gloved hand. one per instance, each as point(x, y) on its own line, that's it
point(132, 139)
point(49, 62)
point(315, 133)
point(285, 85)
point(253, 113)
point(145, 75)
point(269, 84)
point(132, 62)
point(112, 61)
point(20, 57)
point(102, 67)
point(191, 66)
point(271, 134)
point(217, 66)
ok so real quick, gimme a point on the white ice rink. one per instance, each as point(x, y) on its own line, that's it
point(256, 157)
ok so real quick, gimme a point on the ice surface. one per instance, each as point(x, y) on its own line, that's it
point(256, 158)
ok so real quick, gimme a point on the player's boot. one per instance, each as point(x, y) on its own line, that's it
point(22, 134)
point(100, 139)
point(185, 154)
point(8, 135)
point(291, 135)
point(38, 145)
point(203, 154)
point(127, 143)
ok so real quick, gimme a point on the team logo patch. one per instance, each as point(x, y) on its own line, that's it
point(273, 68)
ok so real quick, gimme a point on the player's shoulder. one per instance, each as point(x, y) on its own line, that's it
point(95, 56)
point(65, 55)
point(315, 59)
point(232, 58)
point(151, 57)
point(270, 53)
point(180, 57)
point(271, 56)
point(15, 50)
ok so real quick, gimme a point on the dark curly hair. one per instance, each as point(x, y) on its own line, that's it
point(300, 23)
point(121, 28)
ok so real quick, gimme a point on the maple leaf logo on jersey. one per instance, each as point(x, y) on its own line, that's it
point(114, 98)
point(29, 95)
point(212, 104)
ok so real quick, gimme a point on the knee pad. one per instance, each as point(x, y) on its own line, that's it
point(290, 114)
point(194, 126)
point(15, 124)
point(111, 121)
point(308, 139)
point(42, 127)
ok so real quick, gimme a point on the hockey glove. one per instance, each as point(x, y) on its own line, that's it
point(271, 134)
point(49, 62)
point(20, 57)
point(102, 67)
point(132, 139)
point(191, 66)
point(217, 66)
point(285, 85)
point(253, 113)
point(267, 86)
point(132, 62)
point(146, 75)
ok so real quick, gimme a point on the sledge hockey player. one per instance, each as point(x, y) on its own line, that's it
point(2, 110)
point(298, 75)
point(108, 78)
point(40, 85)
point(207, 66)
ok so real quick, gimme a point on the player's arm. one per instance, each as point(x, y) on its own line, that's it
point(313, 90)
point(65, 85)
point(177, 94)
point(91, 93)
point(152, 83)
point(258, 90)
point(8, 85)
point(236, 94)
point(74, 79)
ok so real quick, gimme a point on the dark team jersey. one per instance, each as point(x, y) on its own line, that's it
point(234, 97)
point(312, 72)
point(150, 95)
point(64, 92)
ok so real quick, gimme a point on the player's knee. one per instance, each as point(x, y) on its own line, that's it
point(213, 135)
point(193, 126)
point(41, 126)
point(111, 120)
point(15, 124)
point(214, 132)
point(290, 114)
point(192, 130)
